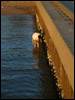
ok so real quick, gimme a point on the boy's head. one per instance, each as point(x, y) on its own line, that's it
point(39, 36)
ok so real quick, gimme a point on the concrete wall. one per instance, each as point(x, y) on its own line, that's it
point(64, 9)
point(61, 56)
point(17, 8)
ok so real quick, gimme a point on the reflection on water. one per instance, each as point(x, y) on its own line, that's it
point(46, 79)
point(25, 73)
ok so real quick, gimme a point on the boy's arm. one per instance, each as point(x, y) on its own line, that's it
point(40, 40)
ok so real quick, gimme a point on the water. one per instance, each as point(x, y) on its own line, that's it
point(25, 73)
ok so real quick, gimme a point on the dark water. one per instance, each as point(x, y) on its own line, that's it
point(25, 73)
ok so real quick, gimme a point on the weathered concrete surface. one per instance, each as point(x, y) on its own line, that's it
point(61, 55)
point(69, 5)
point(64, 9)
point(17, 8)
point(63, 23)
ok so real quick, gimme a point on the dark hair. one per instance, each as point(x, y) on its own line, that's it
point(39, 36)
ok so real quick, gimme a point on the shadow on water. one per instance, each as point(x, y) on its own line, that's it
point(46, 79)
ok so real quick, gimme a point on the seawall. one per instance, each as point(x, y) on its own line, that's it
point(63, 60)
point(17, 8)
point(61, 56)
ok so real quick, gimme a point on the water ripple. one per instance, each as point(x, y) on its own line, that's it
point(22, 66)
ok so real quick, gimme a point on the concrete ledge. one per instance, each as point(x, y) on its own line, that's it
point(64, 9)
point(17, 8)
point(61, 56)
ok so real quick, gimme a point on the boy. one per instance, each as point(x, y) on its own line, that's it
point(36, 39)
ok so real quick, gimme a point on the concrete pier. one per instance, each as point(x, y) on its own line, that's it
point(62, 56)
point(59, 37)
point(62, 22)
